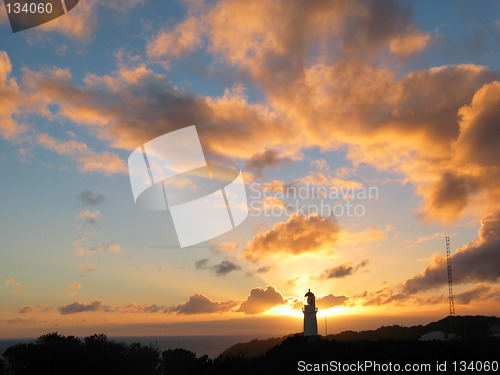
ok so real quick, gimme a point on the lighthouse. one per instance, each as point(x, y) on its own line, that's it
point(310, 310)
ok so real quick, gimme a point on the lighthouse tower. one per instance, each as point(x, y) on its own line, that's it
point(310, 310)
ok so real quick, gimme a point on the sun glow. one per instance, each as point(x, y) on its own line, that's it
point(332, 311)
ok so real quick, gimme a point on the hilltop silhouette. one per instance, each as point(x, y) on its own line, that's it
point(464, 326)
point(57, 354)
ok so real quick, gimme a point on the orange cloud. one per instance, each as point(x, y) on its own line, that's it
point(300, 234)
point(101, 248)
point(89, 217)
point(409, 44)
point(18, 288)
point(11, 100)
point(89, 160)
point(199, 304)
point(388, 296)
point(11, 282)
point(183, 39)
point(73, 286)
point(321, 88)
point(261, 300)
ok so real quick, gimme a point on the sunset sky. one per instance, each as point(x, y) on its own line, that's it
point(386, 113)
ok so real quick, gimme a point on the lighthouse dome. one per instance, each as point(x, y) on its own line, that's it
point(309, 293)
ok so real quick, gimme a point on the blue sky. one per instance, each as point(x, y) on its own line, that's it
point(386, 96)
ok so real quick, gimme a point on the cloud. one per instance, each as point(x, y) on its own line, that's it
point(79, 23)
point(263, 269)
point(26, 310)
point(89, 198)
point(300, 234)
point(73, 286)
point(11, 282)
point(142, 308)
point(224, 268)
point(18, 288)
point(266, 159)
point(101, 248)
point(409, 44)
point(261, 300)
point(479, 292)
point(389, 295)
point(201, 264)
point(324, 303)
point(478, 261)
point(323, 88)
point(185, 37)
point(78, 307)
point(90, 161)
point(89, 217)
point(10, 129)
point(478, 141)
point(342, 270)
point(293, 281)
point(16, 321)
point(199, 304)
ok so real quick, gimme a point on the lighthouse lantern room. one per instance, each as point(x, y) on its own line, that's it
point(310, 310)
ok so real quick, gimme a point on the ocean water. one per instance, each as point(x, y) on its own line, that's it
point(201, 345)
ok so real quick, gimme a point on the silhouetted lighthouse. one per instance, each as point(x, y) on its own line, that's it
point(310, 310)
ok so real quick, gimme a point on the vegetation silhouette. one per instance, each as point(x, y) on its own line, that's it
point(56, 354)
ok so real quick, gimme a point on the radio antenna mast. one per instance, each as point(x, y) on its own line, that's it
point(450, 282)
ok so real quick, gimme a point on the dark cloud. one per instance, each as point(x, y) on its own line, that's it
point(342, 270)
point(478, 261)
point(264, 269)
point(16, 321)
point(141, 308)
point(388, 295)
point(88, 198)
point(261, 300)
point(201, 264)
point(199, 304)
point(479, 140)
point(225, 267)
point(266, 159)
point(78, 307)
point(473, 294)
point(450, 194)
point(26, 310)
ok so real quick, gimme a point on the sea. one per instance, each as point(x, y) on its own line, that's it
point(212, 346)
